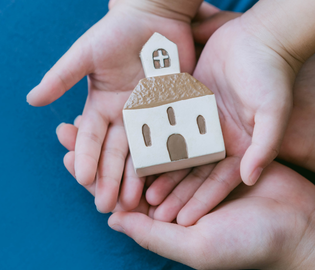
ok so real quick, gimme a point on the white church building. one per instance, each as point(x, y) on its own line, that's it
point(171, 119)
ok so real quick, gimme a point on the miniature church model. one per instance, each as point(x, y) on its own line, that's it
point(171, 119)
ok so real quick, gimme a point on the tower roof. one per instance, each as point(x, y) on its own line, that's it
point(156, 91)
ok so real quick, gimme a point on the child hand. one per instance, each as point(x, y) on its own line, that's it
point(130, 197)
point(267, 226)
point(109, 54)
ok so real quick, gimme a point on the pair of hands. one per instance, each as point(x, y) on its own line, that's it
point(270, 225)
point(252, 86)
point(235, 54)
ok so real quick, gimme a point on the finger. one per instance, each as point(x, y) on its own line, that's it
point(90, 137)
point(221, 181)
point(77, 121)
point(205, 11)
point(163, 185)
point(270, 125)
point(68, 161)
point(169, 209)
point(131, 188)
point(71, 68)
point(111, 167)
point(203, 31)
point(167, 239)
point(143, 207)
point(67, 134)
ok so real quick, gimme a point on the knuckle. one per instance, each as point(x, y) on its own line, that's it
point(115, 152)
point(218, 179)
point(145, 242)
point(171, 177)
point(86, 156)
point(90, 135)
point(108, 178)
point(199, 173)
point(178, 197)
point(200, 201)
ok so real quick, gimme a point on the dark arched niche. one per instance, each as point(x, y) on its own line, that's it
point(146, 135)
point(201, 124)
point(177, 147)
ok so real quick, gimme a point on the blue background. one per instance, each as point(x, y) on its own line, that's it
point(48, 221)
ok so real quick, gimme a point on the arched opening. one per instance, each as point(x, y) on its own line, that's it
point(171, 116)
point(177, 147)
point(146, 135)
point(201, 124)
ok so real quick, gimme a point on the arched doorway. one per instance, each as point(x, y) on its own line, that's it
point(176, 146)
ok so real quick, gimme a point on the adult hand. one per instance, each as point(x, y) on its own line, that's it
point(268, 226)
point(255, 227)
point(109, 54)
point(174, 192)
point(298, 144)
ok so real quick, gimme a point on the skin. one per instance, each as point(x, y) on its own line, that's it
point(177, 198)
point(217, 180)
point(240, 62)
point(111, 60)
point(280, 206)
point(268, 226)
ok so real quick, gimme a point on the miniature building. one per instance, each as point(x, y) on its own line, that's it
point(171, 119)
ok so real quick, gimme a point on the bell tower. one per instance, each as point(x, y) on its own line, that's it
point(159, 56)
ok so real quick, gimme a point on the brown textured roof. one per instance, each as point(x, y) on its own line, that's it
point(156, 91)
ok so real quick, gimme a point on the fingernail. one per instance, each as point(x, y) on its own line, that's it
point(75, 119)
point(59, 126)
point(29, 95)
point(255, 175)
point(118, 228)
point(27, 98)
point(99, 211)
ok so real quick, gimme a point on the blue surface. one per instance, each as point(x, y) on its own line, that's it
point(48, 221)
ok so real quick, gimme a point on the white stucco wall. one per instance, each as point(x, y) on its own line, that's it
point(186, 113)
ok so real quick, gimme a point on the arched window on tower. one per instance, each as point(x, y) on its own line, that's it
point(161, 59)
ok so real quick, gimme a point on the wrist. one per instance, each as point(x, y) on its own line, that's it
point(287, 26)
point(182, 10)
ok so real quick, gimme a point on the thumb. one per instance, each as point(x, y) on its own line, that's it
point(71, 68)
point(166, 239)
point(270, 125)
point(205, 11)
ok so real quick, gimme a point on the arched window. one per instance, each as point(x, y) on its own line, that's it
point(161, 59)
point(171, 116)
point(146, 135)
point(201, 124)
